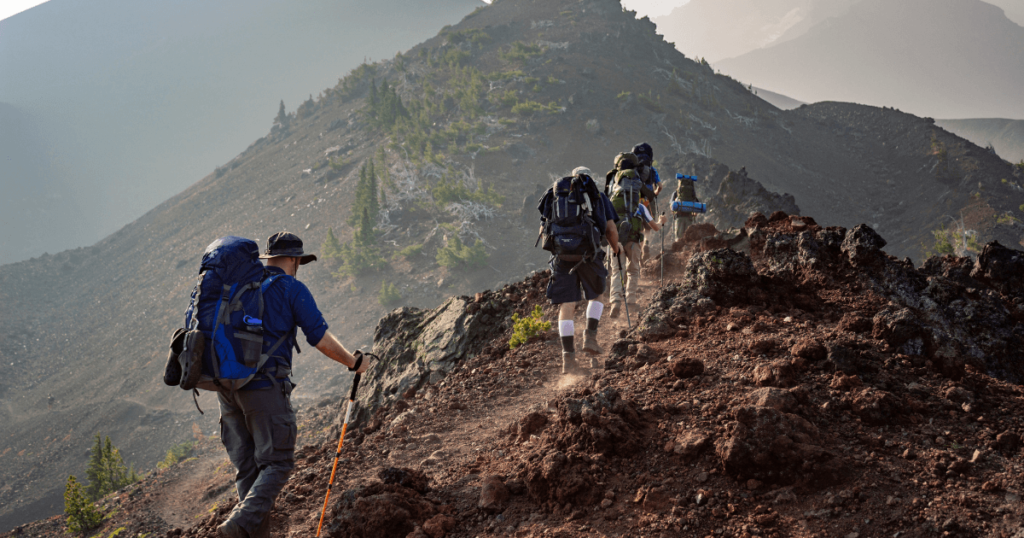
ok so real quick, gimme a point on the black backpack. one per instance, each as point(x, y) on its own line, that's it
point(571, 233)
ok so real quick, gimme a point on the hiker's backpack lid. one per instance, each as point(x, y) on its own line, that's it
point(233, 258)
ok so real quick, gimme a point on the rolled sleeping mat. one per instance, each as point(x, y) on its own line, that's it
point(681, 176)
point(680, 206)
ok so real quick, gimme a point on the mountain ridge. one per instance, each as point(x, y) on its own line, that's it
point(513, 95)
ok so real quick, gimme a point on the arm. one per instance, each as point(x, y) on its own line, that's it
point(657, 224)
point(330, 346)
point(612, 233)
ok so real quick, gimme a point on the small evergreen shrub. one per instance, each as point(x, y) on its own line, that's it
point(456, 255)
point(410, 251)
point(175, 454)
point(388, 294)
point(107, 471)
point(524, 328)
point(81, 513)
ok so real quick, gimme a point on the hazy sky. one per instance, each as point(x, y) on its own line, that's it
point(651, 8)
point(13, 7)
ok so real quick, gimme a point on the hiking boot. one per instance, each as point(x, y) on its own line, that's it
point(569, 365)
point(264, 529)
point(191, 359)
point(633, 310)
point(230, 529)
point(594, 363)
point(172, 372)
point(590, 344)
point(614, 312)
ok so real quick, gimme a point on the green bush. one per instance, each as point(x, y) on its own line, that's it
point(107, 471)
point(524, 328)
point(410, 251)
point(358, 261)
point(81, 514)
point(388, 294)
point(527, 108)
point(456, 255)
point(521, 52)
point(176, 453)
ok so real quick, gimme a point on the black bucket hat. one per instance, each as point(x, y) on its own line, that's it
point(286, 244)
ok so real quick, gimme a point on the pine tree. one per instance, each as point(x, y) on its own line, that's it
point(366, 236)
point(331, 247)
point(107, 471)
point(80, 512)
point(96, 472)
point(282, 115)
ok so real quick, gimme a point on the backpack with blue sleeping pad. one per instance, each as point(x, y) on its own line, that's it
point(222, 345)
point(571, 233)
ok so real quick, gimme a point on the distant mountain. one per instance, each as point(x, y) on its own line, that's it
point(1006, 136)
point(780, 101)
point(719, 29)
point(133, 101)
point(944, 58)
point(1014, 9)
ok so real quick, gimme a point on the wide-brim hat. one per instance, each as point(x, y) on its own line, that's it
point(286, 244)
point(581, 171)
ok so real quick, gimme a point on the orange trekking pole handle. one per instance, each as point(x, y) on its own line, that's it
point(341, 442)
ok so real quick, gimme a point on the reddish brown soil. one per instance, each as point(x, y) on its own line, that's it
point(770, 414)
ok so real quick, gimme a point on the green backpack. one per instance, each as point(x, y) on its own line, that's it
point(626, 192)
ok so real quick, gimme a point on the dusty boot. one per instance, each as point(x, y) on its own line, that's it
point(230, 529)
point(633, 309)
point(569, 365)
point(616, 308)
point(590, 344)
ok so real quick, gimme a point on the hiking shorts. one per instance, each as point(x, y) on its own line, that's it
point(564, 287)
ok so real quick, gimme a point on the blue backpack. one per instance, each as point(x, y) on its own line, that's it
point(571, 233)
point(226, 308)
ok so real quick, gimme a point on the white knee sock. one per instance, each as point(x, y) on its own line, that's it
point(594, 309)
point(566, 327)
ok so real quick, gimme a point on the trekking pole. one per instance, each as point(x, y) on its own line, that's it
point(663, 254)
point(622, 280)
point(341, 441)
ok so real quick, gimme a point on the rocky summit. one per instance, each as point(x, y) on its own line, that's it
point(804, 384)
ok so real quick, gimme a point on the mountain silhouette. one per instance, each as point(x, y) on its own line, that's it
point(945, 58)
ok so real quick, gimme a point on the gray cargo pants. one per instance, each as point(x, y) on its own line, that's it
point(258, 430)
point(681, 223)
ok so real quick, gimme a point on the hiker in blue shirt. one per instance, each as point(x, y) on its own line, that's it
point(258, 425)
point(584, 267)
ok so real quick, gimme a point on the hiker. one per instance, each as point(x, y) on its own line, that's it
point(575, 215)
point(649, 175)
point(627, 193)
point(685, 192)
point(258, 425)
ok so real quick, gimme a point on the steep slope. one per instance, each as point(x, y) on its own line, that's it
point(717, 29)
point(803, 390)
point(135, 100)
point(952, 59)
point(492, 109)
point(1006, 136)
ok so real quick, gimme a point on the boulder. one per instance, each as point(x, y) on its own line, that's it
point(493, 495)
point(687, 368)
point(769, 445)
